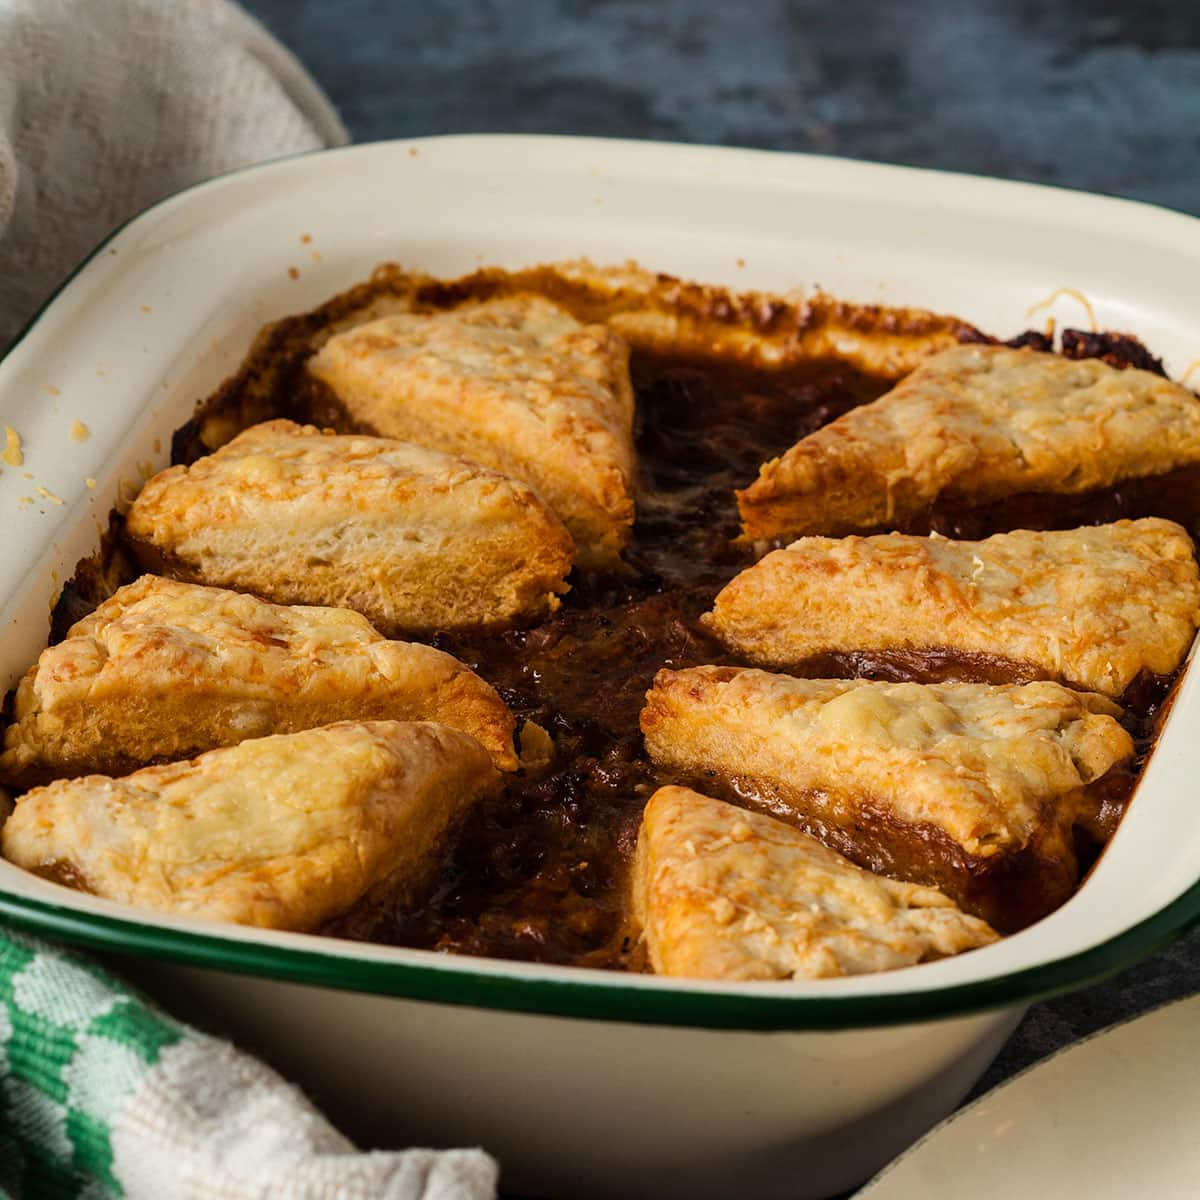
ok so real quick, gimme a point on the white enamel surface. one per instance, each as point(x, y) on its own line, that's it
point(593, 1109)
point(167, 310)
point(1110, 1118)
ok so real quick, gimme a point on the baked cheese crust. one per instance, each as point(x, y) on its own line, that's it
point(516, 384)
point(165, 670)
point(1093, 607)
point(411, 538)
point(975, 424)
point(281, 832)
point(722, 893)
point(986, 765)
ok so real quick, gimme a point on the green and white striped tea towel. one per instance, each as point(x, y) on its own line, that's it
point(104, 1095)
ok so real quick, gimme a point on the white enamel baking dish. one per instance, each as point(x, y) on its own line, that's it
point(584, 1083)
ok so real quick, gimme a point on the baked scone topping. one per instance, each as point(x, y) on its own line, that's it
point(722, 893)
point(281, 832)
point(974, 424)
point(516, 384)
point(413, 539)
point(982, 763)
point(456, 463)
point(972, 788)
point(1092, 607)
point(165, 670)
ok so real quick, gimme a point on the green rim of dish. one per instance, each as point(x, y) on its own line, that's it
point(659, 1005)
point(583, 999)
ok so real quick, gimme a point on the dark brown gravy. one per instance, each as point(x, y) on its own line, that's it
point(539, 873)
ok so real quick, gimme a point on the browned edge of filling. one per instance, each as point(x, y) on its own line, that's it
point(699, 316)
point(923, 664)
point(1172, 493)
point(1175, 494)
point(64, 873)
point(948, 664)
point(154, 560)
point(1010, 890)
point(112, 763)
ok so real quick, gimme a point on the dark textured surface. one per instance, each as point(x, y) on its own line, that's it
point(1086, 94)
point(1082, 94)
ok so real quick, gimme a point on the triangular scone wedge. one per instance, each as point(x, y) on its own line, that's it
point(1093, 607)
point(722, 893)
point(165, 670)
point(971, 788)
point(282, 832)
point(516, 384)
point(975, 424)
point(413, 539)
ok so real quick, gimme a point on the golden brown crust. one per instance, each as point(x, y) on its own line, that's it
point(977, 762)
point(165, 670)
point(646, 308)
point(1093, 607)
point(412, 539)
point(513, 383)
point(281, 832)
point(975, 424)
point(722, 893)
point(660, 311)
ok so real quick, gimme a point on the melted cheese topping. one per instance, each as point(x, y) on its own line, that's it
point(411, 538)
point(1094, 606)
point(163, 670)
point(984, 764)
point(516, 384)
point(12, 448)
point(280, 832)
point(726, 894)
point(975, 423)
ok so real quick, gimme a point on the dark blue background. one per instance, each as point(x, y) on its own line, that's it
point(1075, 94)
point(1068, 93)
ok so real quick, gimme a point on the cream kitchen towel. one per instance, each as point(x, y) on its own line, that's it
point(105, 107)
point(109, 105)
